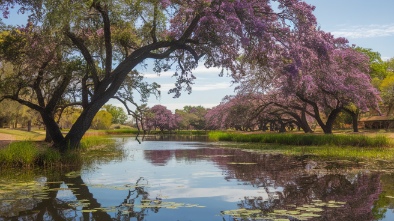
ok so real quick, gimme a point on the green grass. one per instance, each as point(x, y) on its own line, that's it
point(303, 139)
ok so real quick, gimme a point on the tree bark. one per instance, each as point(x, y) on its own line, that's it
point(355, 123)
point(354, 116)
point(52, 128)
point(29, 125)
point(327, 128)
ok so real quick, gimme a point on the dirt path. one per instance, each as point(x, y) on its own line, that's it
point(5, 139)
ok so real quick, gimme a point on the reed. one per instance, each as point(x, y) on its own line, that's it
point(303, 139)
point(23, 153)
point(49, 157)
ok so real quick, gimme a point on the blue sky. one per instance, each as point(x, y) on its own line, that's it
point(368, 24)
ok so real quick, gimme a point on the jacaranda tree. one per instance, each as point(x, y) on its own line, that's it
point(319, 75)
point(161, 118)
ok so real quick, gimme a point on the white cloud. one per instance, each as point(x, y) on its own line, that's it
point(174, 106)
point(208, 87)
point(155, 75)
point(199, 86)
point(229, 194)
point(201, 69)
point(369, 31)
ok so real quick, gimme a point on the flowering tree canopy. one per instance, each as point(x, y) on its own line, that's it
point(161, 118)
point(315, 74)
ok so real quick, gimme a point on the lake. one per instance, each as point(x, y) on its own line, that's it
point(162, 179)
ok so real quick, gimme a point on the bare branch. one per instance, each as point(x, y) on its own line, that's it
point(107, 36)
point(86, 54)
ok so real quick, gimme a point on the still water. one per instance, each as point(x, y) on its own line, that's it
point(198, 181)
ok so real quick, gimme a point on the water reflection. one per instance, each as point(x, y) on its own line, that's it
point(194, 181)
point(69, 199)
point(290, 181)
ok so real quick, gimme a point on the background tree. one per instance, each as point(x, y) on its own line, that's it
point(386, 88)
point(69, 116)
point(51, 76)
point(118, 114)
point(102, 120)
point(161, 118)
point(134, 94)
point(192, 117)
point(235, 112)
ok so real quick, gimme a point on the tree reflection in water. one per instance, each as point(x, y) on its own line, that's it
point(290, 181)
point(126, 210)
point(54, 208)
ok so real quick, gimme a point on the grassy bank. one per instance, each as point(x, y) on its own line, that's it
point(127, 131)
point(303, 139)
point(374, 152)
point(31, 153)
point(326, 152)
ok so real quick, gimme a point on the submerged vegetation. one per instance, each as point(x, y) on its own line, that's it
point(303, 139)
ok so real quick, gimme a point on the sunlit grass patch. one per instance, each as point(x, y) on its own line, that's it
point(24, 135)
